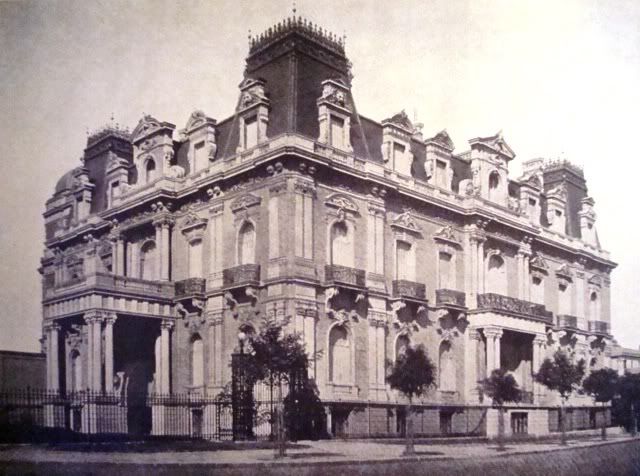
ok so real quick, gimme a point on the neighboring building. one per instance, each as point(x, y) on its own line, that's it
point(625, 359)
point(22, 370)
point(162, 245)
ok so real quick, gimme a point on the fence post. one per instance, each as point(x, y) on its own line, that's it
point(241, 397)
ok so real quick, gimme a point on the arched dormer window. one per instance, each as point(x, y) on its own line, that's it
point(447, 368)
point(496, 275)
point(149, 171)
point(247, 244)
point(341, 237)
point(148, 258)
point(340, 358)
point(494, 185)
point(197, 361)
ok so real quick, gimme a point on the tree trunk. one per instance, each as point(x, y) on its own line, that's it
point(563, 434)
point(604, 421)
point(410, 449)
point(501, 428)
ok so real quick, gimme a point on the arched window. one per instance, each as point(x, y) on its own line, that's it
point(76, 371)
point(594, 307)
point(445, 271)
point(494, 184)
point(197, 361)
point(341, 245)
point(496, 275)
point(405, 262)
point(150, 171)
point(401, 345)
point(195, 259)
point(537, 289)
point(148, 261)
point(340, 356)
point(447, 367)
point(247, 244)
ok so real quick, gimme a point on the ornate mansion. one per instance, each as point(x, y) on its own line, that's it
point(165, 243)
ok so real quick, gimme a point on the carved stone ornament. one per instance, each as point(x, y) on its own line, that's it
point(448, 334)
point(537, 262)
point(341, 202)
point(193, 226)
point(342, 315)
point(405, 221)
point(146, 126)
point(406, 328)
point(400, 120)
point(564, 272)
point(252, 92)
point(244, 202)
point(446, 234)
point(595, 281)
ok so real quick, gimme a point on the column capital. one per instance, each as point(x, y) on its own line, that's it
point(494, 332)
point(51, 326)
point(474, 333)
point(92, 316)
point(110, 318)
point(215, 318)
point(166, 324)
point(539, 340)
point(163, 221)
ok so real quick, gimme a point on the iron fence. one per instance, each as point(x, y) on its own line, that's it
point(87, 414)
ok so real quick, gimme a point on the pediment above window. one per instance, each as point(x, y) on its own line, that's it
point(406, 222)
point(193, 226)
point(538, 263)
point(244, 202)
point(447, 235)
point(341, 202)
point(564, 272)
point(595, 281)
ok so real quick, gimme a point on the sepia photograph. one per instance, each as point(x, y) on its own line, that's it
point(274, 237)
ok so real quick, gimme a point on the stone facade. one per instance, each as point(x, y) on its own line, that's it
point(163, 245)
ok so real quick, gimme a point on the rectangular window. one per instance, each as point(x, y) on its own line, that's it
point(199, 157)
point(532, 202)
point(250, 132)
point(444, 263)
point(337, 132)
point(441, 174)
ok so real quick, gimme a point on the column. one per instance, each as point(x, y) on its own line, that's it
point(97, 354)
point(480, 264)
point(471, 271)
point(471, 366)
point(89, 320)
point(109, 321)
point(115, 260)
point(166, 252)
point(308, 224)
point(381, 350)
point(47, 349)
point(165, 329)
point(55, 364)
point(372, 355)
point(121, 256)
point(216, 246)
point(158, 250)
point(520, 273)
point(493, 335)
point(274, 228)
point(538, 346)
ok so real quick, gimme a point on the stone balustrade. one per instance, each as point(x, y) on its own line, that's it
point(450, 297)
point(403, 288)
point(343, 275)
point(510, 305)
point(599, 327)
point(191, 287)
point(567, 321)
point(242, 275)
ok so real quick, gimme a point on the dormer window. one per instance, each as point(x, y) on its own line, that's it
point(441, 174)
point(150, 171)
point(337, 132)
point(250, 132)
point(200, 159)
point(114, 192)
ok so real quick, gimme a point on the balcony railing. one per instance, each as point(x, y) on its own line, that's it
point(191, 287)
point(344, 275)
point(243, 275)
point(567, 321)
point(599, 327)
point(108, 282)
point(509, 305)
point(450, 297)
point(403, 288)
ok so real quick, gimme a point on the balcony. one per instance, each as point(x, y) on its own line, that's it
point(567, 322)
point(111, 284)
point(243, 275)
point(599, 327)
point(403, 288)
point(191, 287)
point(513, 306)
point(450, 298)
point(344, 276)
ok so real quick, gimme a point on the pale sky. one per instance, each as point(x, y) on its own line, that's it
point(558, 77)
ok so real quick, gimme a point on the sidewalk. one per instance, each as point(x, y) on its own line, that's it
point(308, 452)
